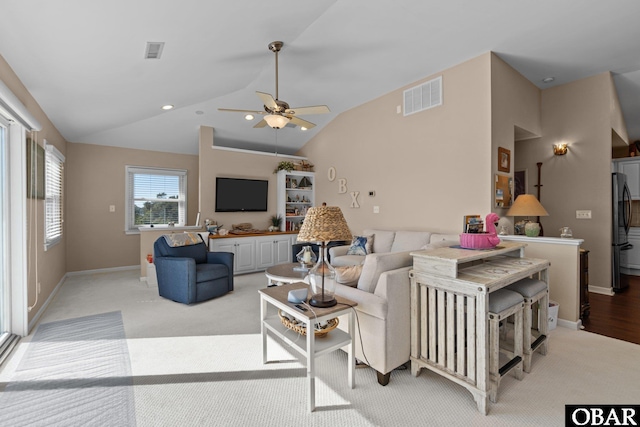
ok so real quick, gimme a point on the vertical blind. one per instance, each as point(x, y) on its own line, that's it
point(53, 190)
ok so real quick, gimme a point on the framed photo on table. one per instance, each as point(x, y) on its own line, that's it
point(504, 160)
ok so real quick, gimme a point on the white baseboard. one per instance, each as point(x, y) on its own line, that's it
point(103, 270)
point(576, 326)
point(601, 290)
point(45, 305)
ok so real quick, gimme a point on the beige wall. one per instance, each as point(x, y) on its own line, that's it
point(578, 113)
point(515, 102)
point(95, 179)
point(618, 125)
point(46, 267)
point(214, 163)
point(428, 169)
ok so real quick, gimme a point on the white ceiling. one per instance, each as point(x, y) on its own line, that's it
point(83, 60)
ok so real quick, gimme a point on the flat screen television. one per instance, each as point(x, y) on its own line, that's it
point(241, 195)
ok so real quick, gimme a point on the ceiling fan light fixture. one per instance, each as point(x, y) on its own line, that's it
point(167, 107)
point(276, 121)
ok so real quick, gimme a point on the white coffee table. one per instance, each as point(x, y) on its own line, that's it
point(286, 273)
point(310, 348)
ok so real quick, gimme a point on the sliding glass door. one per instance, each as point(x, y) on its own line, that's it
point(4, 250)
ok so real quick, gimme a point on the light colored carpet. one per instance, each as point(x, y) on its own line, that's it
point(74, 372)
point(201, 365)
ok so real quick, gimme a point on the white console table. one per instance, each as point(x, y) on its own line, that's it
point(449, 305)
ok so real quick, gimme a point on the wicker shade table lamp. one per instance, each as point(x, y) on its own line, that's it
point(323, 224)
point(528, 205)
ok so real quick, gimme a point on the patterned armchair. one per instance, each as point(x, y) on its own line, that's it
point(187, 272)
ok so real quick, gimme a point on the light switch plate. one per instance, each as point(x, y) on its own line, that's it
point(112, 208)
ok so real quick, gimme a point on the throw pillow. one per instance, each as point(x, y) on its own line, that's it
point(348, 275)
point(360, 245)
point(182, 239)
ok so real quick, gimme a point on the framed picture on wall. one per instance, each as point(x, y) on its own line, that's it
point(504, 160)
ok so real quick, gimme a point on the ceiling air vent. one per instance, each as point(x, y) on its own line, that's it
point(153, 50)
point(423, 97)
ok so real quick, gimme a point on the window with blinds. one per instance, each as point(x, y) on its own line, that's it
point(155, 196)
point(53, 195)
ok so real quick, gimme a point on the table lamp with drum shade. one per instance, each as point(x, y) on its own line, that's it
point(528, 205)
point(323, 224)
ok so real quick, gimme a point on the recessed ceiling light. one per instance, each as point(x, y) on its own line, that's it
point(167, 107)
point(302, 128)
point(199, 112)
point(249, 117)
point(548, 79)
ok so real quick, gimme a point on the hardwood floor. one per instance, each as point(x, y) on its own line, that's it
point(616, 316)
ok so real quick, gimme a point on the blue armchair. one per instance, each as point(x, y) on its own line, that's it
point(187, 272)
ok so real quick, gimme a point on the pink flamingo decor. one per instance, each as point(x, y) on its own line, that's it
point(486, 240)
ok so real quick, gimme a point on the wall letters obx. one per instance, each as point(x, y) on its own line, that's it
point(342, 187)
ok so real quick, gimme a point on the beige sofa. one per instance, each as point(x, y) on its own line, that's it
point(383, 294)
point(385, 241)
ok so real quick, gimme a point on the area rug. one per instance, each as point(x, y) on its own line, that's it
point(75, 372)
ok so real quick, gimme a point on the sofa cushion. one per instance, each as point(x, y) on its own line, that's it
point(207, 272)
point(441, 244)
point(376, 264)
point(348, 275)
point(435, 237)
point(382, 239)
point(360, 245)
point(410, 240)
point(346, 260)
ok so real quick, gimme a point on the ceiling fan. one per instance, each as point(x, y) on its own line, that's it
point(277, 114)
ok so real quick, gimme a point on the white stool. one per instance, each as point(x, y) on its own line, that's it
point(503, 304)
point(535, 292)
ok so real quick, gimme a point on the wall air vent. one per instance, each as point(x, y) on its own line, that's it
point(153, 50)
point(423, 97)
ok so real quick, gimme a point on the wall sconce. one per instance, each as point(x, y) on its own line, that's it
point(560, 149)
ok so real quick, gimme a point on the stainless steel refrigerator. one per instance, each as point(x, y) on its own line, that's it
point(621, 220)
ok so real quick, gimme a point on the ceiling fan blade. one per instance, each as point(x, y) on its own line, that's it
point(262, 123)
point(299, 122)
point(316, 109)
point(241, 111)
point(268, 101)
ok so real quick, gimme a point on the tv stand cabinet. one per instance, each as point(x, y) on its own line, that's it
point(256, 251)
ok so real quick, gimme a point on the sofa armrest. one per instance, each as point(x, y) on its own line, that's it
point(395, 287)
point(378, 263)
point(369, 303)
point(225, 258)
point(338, 251)
point(176, 277)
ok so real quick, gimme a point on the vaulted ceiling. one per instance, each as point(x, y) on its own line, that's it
point(83, 61)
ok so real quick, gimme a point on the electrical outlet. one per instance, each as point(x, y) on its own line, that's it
point(376, 209)
point(583, 214)
point(112, 208)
